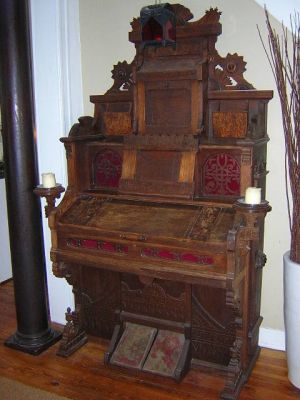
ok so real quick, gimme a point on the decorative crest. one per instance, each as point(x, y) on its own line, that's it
point(212, 16)
point(227, 72)
point(122, 76)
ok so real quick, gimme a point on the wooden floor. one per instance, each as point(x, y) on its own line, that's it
point(84, 377)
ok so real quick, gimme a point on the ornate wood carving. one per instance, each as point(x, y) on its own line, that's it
point(64, 270)
point(122, 76)
point(212, 335)
point(99, 308)
point(100, 245)
point(51, 194)
point(74, 335)
point(148, 232)
point(84, 126)
point(235, 377)
point(246, 157)
point(260, 172)
point(260, 259)
point(83, 210)
point(182, 14)
point(245, 233)
point(207, 217)
point(153, 300)
point(226, 73)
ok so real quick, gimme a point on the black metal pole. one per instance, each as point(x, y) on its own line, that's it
point(33, 333)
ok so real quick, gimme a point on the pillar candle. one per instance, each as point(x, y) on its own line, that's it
point(253, 195)
point(48, 180)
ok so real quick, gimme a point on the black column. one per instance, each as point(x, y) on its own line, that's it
point(33, 333)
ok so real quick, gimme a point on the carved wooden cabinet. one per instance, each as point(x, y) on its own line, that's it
point(153, 232)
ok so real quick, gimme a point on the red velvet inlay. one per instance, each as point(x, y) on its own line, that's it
point(185, 257)
point(205, 260)
point(107, 246)
point(221, 175)
point(73, 242)
point(89, 244)
point(147, 252)
point(167, 255)
point(124, 249)
point(189, 257)
point(107, 168)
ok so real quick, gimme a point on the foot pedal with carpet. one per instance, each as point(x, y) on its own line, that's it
point(149, 350)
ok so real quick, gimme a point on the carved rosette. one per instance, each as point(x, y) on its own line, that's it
point(226, 73)
point(123, 78)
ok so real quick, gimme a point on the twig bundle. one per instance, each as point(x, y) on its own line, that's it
point(284, 59)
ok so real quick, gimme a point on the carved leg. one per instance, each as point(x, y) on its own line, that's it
point(235, 377)
point(74, 335)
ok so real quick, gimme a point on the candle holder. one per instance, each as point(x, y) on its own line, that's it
point(252, 216)
point(51, 194)
point(241, 205)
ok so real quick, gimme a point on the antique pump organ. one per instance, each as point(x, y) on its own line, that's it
point(164, 255)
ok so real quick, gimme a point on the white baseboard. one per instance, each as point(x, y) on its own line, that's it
point(272, 339)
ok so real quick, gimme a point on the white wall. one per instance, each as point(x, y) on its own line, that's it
point(281, 10)
point(5, 261)
point(104, 41)
point(58, 103)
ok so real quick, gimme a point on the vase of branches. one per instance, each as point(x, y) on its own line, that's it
point(283, 52)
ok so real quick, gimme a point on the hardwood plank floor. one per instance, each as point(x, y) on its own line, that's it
point(83, 376)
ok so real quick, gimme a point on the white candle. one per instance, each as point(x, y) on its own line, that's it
point(48, 180)
point(253, 195)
